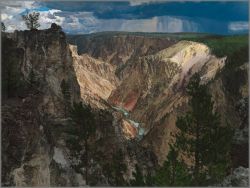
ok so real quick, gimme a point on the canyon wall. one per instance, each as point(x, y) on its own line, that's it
point(134, 86)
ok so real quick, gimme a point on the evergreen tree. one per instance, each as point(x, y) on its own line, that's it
point(202, 137)
point(108, 172)
point(65, 88)
point(114, 170)
point(3, 28)
point(84, 127)
point(138, 177)
point(174, 171)
point(149, 180)
point(31, 20)
point(119, 168)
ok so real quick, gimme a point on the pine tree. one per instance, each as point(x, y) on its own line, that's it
point(3, 28)
point(174, 171)
point(31, 20)
point(149, 180)
point(138, 179)
point(84, 127)
point(202, 137)
point(119, 168)
point(115, 168)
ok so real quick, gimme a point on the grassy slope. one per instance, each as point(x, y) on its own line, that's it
point(222, 45)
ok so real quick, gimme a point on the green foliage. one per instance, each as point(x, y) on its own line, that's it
point(65, 88)
point(174, 171)
point(232, 76)
point(149, 180)
point(31, 20)
point(222, 45)
point(119, 168)
point(83, 126)
point(115, 169)
point(138, 177)
point(83, 119)
point(201, 136)
point(236, 49)
point(3, 28)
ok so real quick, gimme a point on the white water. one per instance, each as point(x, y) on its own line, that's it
point(141, 131)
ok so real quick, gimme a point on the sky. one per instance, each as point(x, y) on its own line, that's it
point(81, 17)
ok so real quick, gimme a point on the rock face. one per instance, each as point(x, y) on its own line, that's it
point(46, 56)
point(119, 49)
point(35, 150)
point(154, 89)
point(153, 80)
point(96, 78)
point(135, 86)
point(239, 177)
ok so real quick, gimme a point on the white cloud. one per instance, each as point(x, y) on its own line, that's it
point(17, 4)
point(86, 22)
point(11, 15)
point(238, 26)
point(5, 16)
point(48, 17)
point(139, 2)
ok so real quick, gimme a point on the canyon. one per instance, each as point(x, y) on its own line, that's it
point(135, 86)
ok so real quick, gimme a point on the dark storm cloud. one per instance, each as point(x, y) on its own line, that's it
point(220, 11)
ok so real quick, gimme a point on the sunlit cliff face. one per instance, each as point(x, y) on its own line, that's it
point(146, 84)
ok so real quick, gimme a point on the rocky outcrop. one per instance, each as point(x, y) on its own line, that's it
point(45, 61)
point(35, 150)
point(119, 48)
point(46, 54)
point(96, 78)
point(135, 86)
point(238, 178)
point(154, 90)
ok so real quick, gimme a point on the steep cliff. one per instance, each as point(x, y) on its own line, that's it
point(118, 48)
point(35, 140)
point(135, 86)
point(96, 78)
point(153, 79)
point(154, 91)
point(44, 60)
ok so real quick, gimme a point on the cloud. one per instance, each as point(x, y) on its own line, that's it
point(90, 24)
point(48, 17)
point(11, 14)
point(140, 2)
point(238, 26)
point(142, 9)
point(17, 4)
point(132, 15)
point(5, 16)
point(173, 24)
